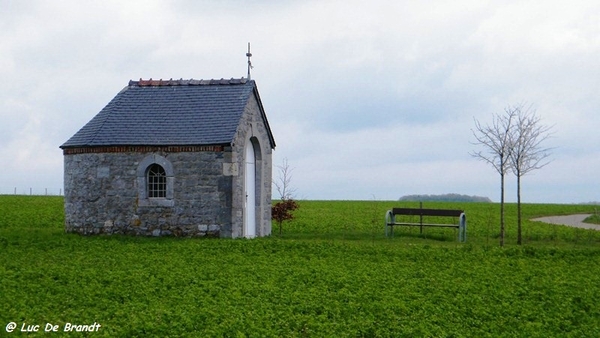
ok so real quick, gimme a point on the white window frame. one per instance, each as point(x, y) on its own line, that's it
point(144, 199)
point(156, 181)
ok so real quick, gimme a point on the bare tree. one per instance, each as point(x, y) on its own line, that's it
point(496, 140)
point(283, 181)
point(282, 210)
point(527, 152)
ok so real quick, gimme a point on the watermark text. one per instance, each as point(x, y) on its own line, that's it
point(50, 327)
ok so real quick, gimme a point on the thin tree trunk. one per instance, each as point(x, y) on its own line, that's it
point(502, 210)
point(518, 208)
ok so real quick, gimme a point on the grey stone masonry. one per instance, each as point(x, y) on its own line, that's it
point(102, 195)
point(252, 129)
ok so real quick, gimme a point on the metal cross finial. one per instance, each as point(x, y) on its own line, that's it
point(249, 55)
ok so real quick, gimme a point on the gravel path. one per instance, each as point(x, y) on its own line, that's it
point(569, 220)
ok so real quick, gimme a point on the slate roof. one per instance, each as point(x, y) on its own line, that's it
point(170, 112)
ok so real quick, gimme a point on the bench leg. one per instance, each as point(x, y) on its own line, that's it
point(462, 229)
point(389, 219)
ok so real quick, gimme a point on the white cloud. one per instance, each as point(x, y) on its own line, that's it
point(364, 98)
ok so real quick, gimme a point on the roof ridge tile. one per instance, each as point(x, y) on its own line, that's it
point(188, 82)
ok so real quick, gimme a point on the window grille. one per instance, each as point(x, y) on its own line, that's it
point(157, 181)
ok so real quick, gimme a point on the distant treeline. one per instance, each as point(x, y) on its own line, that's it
point(445, 198)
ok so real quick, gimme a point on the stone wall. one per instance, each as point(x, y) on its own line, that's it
point(102, 195)
point(252, 129)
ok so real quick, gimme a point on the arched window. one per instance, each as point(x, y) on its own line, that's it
point(156, 181)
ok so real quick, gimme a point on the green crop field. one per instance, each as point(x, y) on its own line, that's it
point(332, 273)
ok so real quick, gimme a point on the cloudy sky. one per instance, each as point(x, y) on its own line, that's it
point(366, 99)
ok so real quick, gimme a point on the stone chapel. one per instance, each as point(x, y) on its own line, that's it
point(173, 158)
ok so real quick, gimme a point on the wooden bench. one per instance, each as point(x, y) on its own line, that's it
point(390, 220)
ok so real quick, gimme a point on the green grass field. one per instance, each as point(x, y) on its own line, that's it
point(593, 219)
point(331, 274)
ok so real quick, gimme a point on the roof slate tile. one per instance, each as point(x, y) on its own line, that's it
point(169, 112)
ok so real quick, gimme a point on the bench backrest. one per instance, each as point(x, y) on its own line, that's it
point(426, 212)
